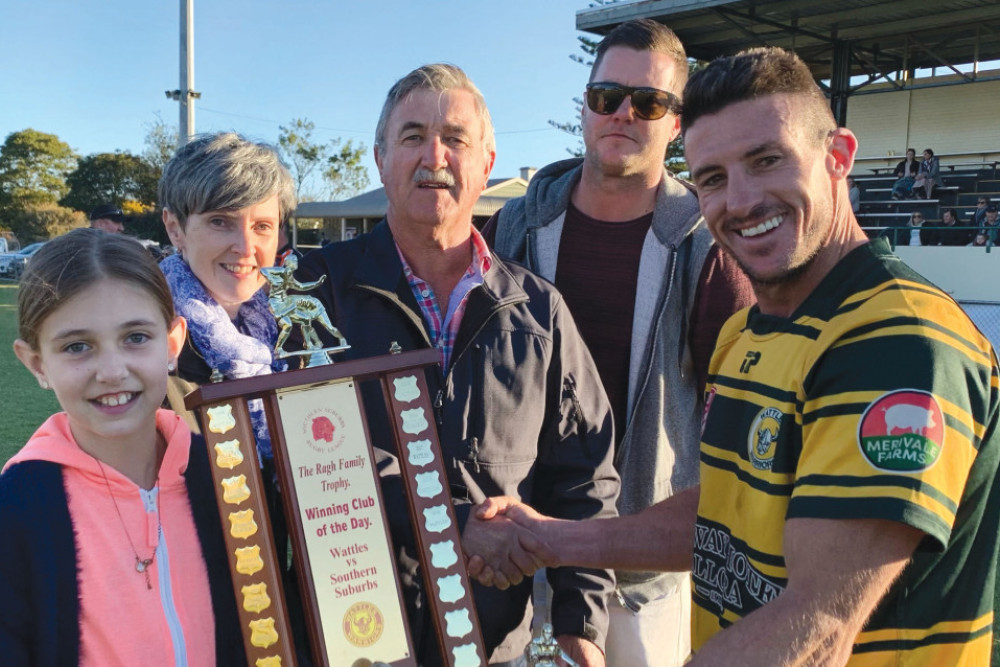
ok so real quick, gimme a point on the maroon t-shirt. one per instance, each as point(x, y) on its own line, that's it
point(597, 270)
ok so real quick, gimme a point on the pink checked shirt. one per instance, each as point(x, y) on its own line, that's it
point(443, 330)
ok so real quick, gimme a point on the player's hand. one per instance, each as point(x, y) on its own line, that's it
point(496, 547)
point(530, 553)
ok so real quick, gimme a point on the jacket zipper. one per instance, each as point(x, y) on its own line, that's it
point(476, 402)
point(439, 407)
point(531, 261)
point(653, 334)
point(625, 602)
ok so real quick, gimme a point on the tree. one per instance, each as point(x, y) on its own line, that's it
point(37, 222)
point(588, 46)
point(33, 169)
point(161, 144)
point(304, 156)
point(345, 174)
point(111, 178)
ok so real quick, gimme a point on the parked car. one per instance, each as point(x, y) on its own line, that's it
point(12, 264)
point(8, 242)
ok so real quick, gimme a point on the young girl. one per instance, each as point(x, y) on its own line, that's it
point(113, 552)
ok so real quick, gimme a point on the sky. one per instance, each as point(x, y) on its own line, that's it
point(95, 72)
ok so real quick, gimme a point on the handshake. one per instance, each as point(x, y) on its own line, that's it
point(505, 541)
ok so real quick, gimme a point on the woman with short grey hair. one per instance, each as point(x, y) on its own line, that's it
point(224, 199)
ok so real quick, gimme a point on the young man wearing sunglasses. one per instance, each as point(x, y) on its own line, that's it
point(624, 242)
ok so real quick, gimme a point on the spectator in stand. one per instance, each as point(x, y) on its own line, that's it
point(950, 233)
point(906, 173)
point(991, 226)
point(979, 215)
point(928, 177)
point(854, 193)
point(914, 232)
point(980, 240)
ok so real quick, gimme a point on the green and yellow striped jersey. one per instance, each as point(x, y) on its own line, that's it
point(877, 399)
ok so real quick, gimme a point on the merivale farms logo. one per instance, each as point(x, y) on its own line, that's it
point(902, 431)
point(323, 430)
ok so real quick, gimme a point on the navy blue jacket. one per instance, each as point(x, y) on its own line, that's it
point(39, 594)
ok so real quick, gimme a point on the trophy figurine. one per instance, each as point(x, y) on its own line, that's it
point(543, 651)
point(300, 309)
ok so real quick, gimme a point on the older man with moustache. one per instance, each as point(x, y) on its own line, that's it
point(516, 409)
point(849, 501)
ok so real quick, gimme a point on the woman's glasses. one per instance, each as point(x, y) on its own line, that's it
point(648, 103)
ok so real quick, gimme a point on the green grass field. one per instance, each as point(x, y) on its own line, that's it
point(26, 405)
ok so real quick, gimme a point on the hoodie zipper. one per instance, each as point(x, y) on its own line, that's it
point(150, 501)
point(653, 335)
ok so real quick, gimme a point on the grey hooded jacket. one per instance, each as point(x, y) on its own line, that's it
point(658, 456)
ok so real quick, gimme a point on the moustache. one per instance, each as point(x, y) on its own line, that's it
point(435, 176)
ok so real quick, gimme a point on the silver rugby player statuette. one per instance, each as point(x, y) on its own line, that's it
point(543, 651)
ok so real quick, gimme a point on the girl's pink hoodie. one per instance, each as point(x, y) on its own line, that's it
point(122, 622)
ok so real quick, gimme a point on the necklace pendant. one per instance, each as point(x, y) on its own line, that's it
point(142, 566)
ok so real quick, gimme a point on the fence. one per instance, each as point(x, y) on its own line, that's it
point(986, 315)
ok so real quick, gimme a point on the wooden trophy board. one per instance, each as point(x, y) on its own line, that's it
point(333, 503)
point(253, 563)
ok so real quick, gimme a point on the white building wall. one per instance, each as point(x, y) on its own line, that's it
point(948, 119)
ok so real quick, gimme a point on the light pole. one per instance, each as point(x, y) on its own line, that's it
point(186, 94)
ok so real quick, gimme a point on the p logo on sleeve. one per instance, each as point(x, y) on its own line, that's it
point(902, 431)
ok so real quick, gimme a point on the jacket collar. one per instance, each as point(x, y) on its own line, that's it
point(381, 271)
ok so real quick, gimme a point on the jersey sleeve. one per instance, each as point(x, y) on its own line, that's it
point(889, 407)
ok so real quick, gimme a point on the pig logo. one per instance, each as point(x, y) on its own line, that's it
point(902, 431)
point(323, 429)
point(903, 418)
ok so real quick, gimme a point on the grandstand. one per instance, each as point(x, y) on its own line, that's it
point(880, 214)
point(969, 274)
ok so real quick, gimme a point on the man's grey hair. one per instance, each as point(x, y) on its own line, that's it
point(225, 172)
point(441, 78)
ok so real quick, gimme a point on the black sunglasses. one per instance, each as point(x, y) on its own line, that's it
point(648, 103)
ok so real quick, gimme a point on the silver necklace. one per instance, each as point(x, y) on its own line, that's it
point(141, 564)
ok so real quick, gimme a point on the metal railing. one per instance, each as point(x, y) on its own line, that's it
point(900, 234)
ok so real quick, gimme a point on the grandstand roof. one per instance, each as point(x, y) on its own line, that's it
point(883, 36)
